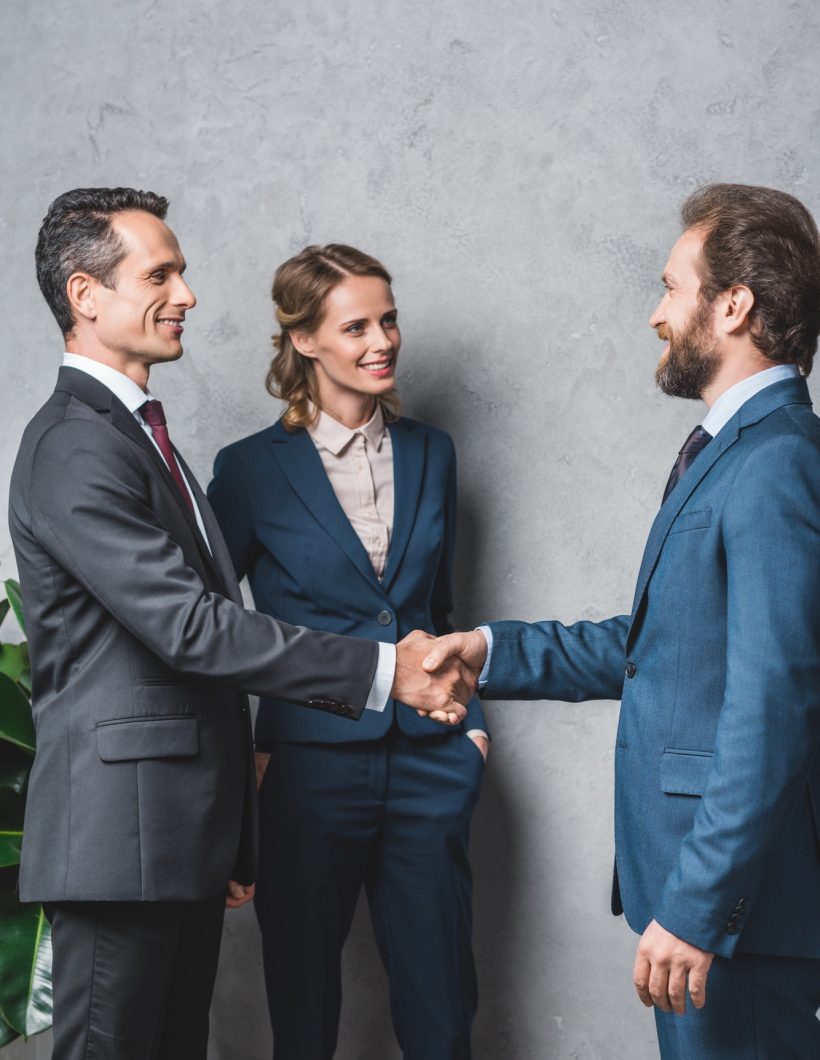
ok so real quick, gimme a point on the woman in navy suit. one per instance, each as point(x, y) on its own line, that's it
point(342, 515)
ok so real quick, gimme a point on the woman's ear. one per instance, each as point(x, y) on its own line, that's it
point(303, 343)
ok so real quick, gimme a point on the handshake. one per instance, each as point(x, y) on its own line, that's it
point(438, 675)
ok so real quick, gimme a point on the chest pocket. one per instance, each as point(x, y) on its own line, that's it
point(698, 520)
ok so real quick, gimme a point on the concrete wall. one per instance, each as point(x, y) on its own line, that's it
point(518, 167)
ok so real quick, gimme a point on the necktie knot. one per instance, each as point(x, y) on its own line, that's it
point(696, 441)
point(153, 414)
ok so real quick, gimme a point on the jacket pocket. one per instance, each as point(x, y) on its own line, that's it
point(130, 739)
point(685, 772)
point(692, 521)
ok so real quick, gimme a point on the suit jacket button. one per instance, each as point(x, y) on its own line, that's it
point(384, 618)
point(631, 669)
point(732, 928)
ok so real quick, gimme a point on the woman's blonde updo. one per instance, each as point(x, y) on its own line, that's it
point(300, 288)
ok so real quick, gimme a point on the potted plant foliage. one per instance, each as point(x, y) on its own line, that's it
point(25, 936)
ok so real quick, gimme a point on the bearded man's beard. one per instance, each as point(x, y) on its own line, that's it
point(692, 361)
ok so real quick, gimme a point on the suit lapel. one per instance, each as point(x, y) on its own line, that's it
point(409, 453)
point(786, 392)
point(217, 556)
point(98, 397)
point(302, 466)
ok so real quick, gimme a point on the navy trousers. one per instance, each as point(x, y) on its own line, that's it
point(757, 1008)
point(392, 816)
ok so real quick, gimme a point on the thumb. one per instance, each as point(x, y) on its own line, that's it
point(442, 650)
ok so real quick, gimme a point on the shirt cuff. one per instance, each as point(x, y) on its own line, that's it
point(484, 676)
point(383, 681)
point(478, 732)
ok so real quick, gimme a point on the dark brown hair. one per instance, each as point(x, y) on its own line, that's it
point(300, 287)
point(767, 241)
point(76, 236)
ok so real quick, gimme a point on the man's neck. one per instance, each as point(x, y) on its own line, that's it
point(137, 371)
point(735, 370)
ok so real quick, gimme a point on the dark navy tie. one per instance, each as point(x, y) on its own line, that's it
point(153, 414)
point(691, 447)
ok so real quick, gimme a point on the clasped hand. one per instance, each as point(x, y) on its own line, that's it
point(438, 676)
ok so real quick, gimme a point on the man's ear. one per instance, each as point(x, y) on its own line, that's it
point(303, 342)
point(80, 289)
point(734, 309)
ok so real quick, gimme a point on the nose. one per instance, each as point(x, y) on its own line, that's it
point(657, 316)
point(381, 341)
point(183, 295)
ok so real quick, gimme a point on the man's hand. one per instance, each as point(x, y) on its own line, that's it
point(239, 894)
point(439, 692)
point(470, 648)
point(665, 965)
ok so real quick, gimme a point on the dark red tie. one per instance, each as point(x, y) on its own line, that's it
point(691, 447)
point(154, 416)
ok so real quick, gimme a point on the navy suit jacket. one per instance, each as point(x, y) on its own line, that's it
point(717, 778)
point(287, 532)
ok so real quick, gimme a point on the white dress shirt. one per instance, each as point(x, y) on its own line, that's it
point(715, 420)
point(134, 397)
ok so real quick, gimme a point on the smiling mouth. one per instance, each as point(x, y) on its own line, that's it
point(378, 367)
point(173, 324)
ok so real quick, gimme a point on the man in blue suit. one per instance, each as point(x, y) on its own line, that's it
point(717, 786)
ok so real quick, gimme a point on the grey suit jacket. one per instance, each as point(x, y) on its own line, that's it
point(142, 786)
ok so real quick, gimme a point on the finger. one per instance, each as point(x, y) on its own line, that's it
point(677, 988)
point(697, 985)
point(640, 977)
point(659, 987)
point(442, 650)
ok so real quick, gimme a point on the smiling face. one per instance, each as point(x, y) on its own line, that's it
point(355, 348)
point(140, 320)
point(691, 359)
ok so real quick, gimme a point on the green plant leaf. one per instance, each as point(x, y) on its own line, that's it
point(16, 725)
point(16, 600)
point(10, 843)
point(25, 966)
point(6, 1033)
point(14, 660)
point(4, 610)
point(15, 766)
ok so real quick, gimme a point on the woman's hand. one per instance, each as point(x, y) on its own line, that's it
point(481, 742)
point(261, 760)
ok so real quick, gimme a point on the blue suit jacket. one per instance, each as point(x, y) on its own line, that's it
point(287, 531)
point(717, 786)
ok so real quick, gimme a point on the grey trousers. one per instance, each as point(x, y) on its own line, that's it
point(133, 980)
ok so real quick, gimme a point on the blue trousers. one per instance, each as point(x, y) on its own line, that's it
point(393, 817)
point(757, 1008)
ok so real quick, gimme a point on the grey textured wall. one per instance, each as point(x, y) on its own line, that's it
point(519, 169)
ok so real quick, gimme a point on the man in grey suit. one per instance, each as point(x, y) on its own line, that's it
point(141, 803)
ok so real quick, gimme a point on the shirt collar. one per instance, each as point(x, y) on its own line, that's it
point(335, 437)
point(731, 400)
point(131, 395)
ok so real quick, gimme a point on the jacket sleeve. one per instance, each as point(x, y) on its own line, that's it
point(547, 660)
point(441, 599)
point(769, 725)
point(228, 496)
point(92, 514)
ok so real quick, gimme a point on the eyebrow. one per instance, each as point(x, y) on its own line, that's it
point(168, 265)
point(361, 320)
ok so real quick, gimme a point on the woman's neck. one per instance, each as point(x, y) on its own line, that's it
point(352, 410)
